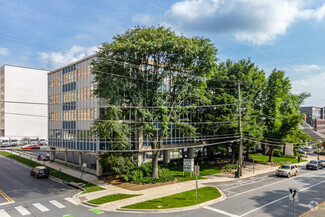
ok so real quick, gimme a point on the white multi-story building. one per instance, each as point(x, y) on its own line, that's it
point(23, 102)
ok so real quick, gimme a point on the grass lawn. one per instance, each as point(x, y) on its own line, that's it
point(110, 198)
point(89, 187)
point(205, 169)
point(183, 199)
point(278, 160)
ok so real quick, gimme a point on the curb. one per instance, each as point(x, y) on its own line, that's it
point(179, 209)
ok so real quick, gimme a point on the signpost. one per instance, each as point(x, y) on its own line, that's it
point(188, 166)
point(293, 195)
point(84, 165)
point(197, 173)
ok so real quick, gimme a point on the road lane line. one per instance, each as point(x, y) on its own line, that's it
point(22, 210)
point(4, 213)
point(312, 209)
point(40, 207)
point(254, 189)
point(57, 204)
point(71, 200)
point(4, 195)
point(220, 211)
point(6, 203)
point(280, 199)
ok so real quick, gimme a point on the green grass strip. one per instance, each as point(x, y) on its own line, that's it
point(89, 187)
point(110, 198)
point(278, 160)
point(205, 170)
point(97, 211)
point(183, 199)
point(67, 216)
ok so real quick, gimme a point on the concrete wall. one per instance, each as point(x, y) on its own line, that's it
point(25, 85)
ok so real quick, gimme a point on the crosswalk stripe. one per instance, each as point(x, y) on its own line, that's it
point(22, 210)
point(40, 207)
point(57, 204)
point(4, 213)
point(71, 200)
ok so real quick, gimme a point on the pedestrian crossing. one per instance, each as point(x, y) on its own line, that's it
point(40, 207)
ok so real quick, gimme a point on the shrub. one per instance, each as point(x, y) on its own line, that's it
point(146, 169)
point(230, 167)
point(277, 153)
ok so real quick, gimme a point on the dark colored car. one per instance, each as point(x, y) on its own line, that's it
point(323, 162)
point(314, 165)
point(40, 172)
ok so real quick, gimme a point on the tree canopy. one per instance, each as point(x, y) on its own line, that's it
point(149, 74)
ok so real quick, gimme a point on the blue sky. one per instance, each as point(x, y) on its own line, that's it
point(283, 34)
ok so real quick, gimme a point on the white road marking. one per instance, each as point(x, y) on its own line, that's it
point(71, 201)
point(280, 199)
point(22, 210)
point(254, 189)
point(40, 207)
point(220, 211)
point(6, 203)
point(57, 204)
point(4, 213)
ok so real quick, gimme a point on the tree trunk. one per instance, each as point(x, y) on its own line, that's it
point(271, 153)
point(233, 154)
point(247, 153)
point(155, 156)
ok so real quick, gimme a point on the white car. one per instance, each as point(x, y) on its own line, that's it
point(287, 170)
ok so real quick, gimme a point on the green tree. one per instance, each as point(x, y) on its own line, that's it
point(153, 67)
point(225, 78)
point(281, 109)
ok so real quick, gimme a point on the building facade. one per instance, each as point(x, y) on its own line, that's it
point(73, 107)
point(23, 102)
point(311, 114)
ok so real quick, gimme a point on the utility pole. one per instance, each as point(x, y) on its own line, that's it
point(240, 148)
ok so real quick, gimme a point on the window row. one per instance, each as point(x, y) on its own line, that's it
point(80, 135)
point(74, 115)
point(72, 96)
point(70, 77)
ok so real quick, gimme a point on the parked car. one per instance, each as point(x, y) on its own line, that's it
point(14, 142)
point(42, 141)
point(314, 165)
point(287, 170)
point(300, 151)
point(30, 146)
point(40, 172)
point(323, 163)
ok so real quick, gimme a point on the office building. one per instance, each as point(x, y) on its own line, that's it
point(315, 117)
point(73, 107)
point(23, 102)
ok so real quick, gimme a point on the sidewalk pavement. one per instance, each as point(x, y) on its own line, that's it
point(151, 193)
point(166, 190)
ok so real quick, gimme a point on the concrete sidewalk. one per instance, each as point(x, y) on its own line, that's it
point(166, 190)
point(151, 193)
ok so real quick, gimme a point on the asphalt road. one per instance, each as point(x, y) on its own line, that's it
point(264, 195)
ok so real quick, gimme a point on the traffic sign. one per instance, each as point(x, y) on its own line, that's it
point(293, 194)
point(188, 165)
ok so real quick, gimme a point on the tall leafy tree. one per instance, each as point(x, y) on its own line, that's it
point(156, 72)
point(281, 110)
point(225, 78)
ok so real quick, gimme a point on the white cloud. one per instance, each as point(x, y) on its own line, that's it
point(315, 86)
point(255, 21)
point(306, 68)
point(144, 19)
point(55, 60)
point(4, 51)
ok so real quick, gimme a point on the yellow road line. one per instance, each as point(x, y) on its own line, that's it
point(3, 194)
point(312, 209)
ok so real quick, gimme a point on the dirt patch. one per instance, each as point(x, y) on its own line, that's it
point(117, 181)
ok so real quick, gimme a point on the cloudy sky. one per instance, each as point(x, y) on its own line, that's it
point(283, 34)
